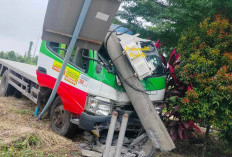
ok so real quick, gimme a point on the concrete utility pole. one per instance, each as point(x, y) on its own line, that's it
point(147, 114)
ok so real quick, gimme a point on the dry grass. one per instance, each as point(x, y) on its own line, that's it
point(18, 126)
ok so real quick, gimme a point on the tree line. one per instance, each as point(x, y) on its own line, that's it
point(167, 19)
point(27, 58)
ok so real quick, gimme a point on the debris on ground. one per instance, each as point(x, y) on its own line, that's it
point(133, 147)
point(22, 135)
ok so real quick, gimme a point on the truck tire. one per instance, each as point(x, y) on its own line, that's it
point(6, 89)
point(60, 120)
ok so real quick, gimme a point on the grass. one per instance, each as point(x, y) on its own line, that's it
point(26, 147)
point(22, 135)
point(30, 145)
point(21, 111)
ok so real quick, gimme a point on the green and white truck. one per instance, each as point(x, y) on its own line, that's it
point(90, 88)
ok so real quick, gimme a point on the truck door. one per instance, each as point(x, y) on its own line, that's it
point(73, 88)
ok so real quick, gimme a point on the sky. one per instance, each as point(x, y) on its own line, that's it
point(21, 21)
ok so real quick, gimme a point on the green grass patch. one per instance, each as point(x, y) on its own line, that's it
point(21, 111)
point(22, 147)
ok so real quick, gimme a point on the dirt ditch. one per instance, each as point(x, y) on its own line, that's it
point(22, 135)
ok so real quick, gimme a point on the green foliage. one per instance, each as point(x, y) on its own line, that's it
point(11, 55)
point(22, 147)
point(21, 111)
point(206, 62)
point(29, 50)
point(28, 146)
point(170, 17)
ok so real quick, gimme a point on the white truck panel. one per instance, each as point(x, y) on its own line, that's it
point(26, 70)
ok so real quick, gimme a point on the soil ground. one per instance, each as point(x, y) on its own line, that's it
point(22, 135)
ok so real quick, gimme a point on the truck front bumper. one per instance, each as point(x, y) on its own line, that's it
point(90, 122)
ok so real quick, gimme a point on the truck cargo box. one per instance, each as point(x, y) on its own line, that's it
point(62, 15)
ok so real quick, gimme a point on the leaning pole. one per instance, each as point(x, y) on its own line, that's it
point(141, 102)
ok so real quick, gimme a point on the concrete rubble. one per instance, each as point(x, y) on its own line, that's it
point(137, 147)
point(89, 153)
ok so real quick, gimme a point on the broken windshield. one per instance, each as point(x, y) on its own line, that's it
point(152, 56)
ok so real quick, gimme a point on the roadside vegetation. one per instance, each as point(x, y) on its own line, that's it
point(206, 64)
point(27, 58)
point(199, 84)
point(22, 136)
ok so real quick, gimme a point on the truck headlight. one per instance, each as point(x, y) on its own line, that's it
point(99, 106)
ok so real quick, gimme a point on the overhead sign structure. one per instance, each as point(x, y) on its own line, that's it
point(62, 15)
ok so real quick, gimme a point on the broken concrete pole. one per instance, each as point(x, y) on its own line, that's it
point(141, 102)
point(121, 135)
point(110, 134)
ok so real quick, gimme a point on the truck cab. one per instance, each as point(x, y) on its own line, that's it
point(90, 88)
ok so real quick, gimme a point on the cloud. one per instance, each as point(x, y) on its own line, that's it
point(20, 23)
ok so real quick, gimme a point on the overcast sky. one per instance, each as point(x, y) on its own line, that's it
point(21, 21)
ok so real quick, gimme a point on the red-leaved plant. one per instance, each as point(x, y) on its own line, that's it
point(177, 127)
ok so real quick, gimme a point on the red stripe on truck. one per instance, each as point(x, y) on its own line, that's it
point(73, 99)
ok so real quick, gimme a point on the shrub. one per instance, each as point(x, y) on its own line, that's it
point(178, 128)
point(206, 64)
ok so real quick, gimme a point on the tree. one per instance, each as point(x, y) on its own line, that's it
point(11, 56)
point(29, 50)
point(206, 64)
point(1, 54)
point(169, 18)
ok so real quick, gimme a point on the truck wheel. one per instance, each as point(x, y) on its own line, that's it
point(6, 89)
point(60, 120)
